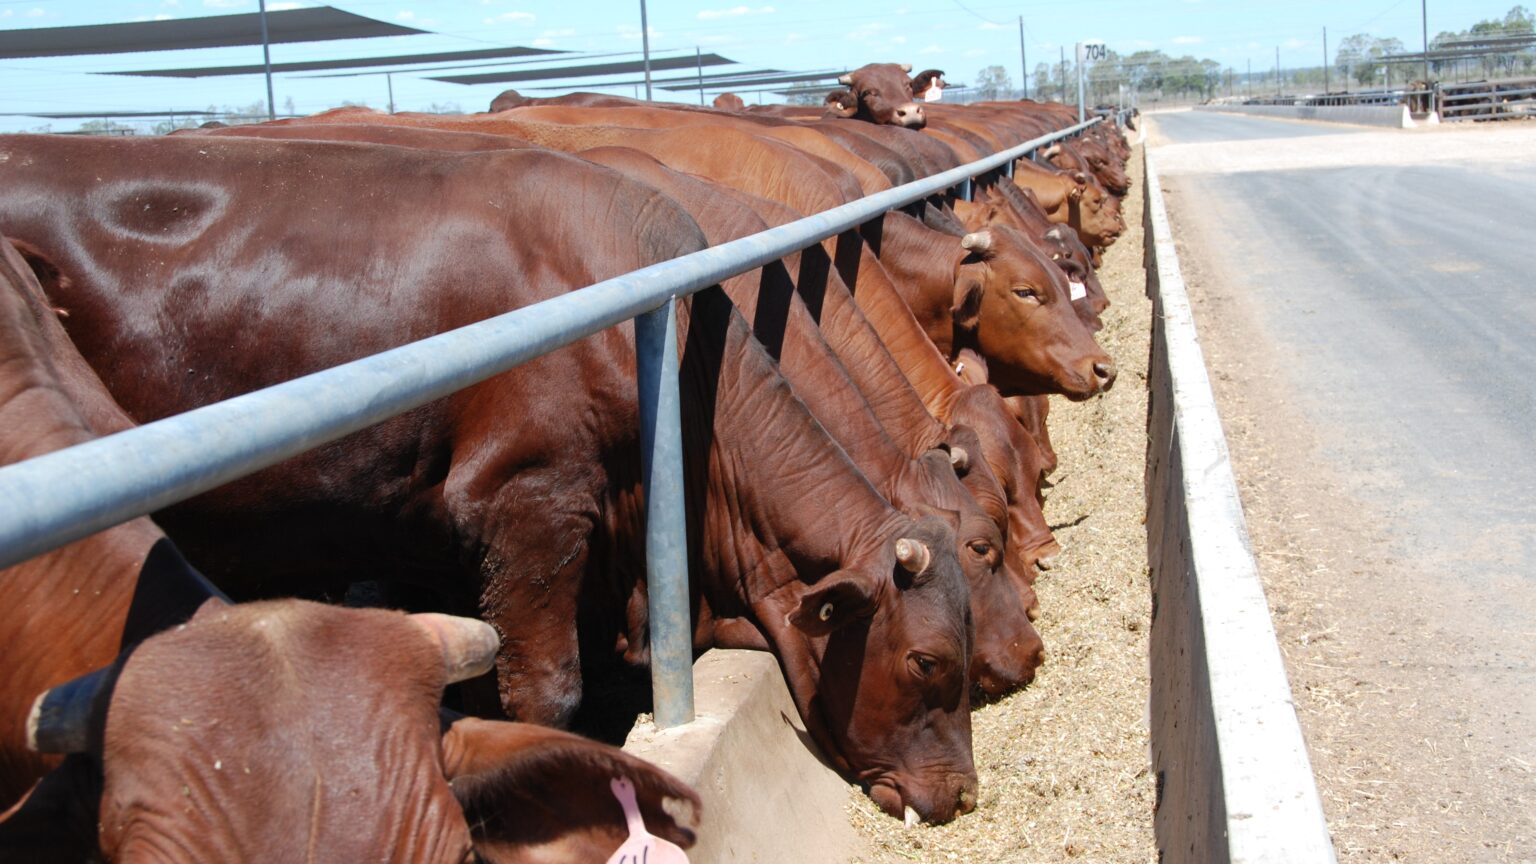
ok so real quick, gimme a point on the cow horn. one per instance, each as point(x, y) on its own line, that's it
point(1051, 151)
point(845, 79)
point(912, 555)
point(959, 458)
point(469, 646)
point(977, 241)
point(906, 67)
point(61, 717)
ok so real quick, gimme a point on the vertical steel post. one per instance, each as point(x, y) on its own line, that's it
point(965, 191)
point(1325, 61)
point(666, 540)
point(1063, 74)
point(698, 58)
point(1023, 58)
point(645, 47)
point(1081, 106)
point(1277, 72)
point(389, 81)
point(266, 59)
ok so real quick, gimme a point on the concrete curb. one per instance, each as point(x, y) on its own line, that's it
point(1234, 780)
point(1394, 116)
point(767, 795)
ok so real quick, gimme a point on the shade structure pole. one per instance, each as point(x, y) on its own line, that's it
point(266, 60)
point(645, 48)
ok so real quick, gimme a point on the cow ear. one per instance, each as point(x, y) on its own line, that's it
point(845, 79)
point(966, 311)
point(842, 104)
point(529, 790)
point(836, 601)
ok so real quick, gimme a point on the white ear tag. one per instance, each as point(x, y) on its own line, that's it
point(1079, 290)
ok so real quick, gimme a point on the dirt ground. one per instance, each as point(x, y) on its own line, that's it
point(1398, 777)
point(1063, 764)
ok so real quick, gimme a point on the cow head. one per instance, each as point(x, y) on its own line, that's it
point(1074, 259)
point(288, 731)
point(876, 656)
point(1013, 305)
point(884, 95)
point(1006, 649)
point(1094, 213)
point(729, 102)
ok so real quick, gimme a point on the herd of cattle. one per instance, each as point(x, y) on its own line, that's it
point(864, 430)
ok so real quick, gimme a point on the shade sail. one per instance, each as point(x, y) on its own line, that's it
point(354, 63)
point(215, 31)
point(554, 73)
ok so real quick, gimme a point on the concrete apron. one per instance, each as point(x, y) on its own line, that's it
point(767, 795)
point(1393, 116)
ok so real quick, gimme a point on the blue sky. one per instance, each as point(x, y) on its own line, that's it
point(960, 38)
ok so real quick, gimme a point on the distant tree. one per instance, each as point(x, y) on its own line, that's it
point(104, 126)
point(444, 108)
point(1044, 88)
point(807, 98)
point(993, 83)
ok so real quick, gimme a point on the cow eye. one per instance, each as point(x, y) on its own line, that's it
point(981, 547)
point(1024, 292)
point(923, 666)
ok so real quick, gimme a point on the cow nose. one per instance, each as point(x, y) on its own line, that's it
point(966, 800)
point(1105, 373)
point(912, 116)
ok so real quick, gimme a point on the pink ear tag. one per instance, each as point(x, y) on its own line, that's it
point(642, 847)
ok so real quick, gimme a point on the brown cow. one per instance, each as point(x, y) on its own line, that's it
point(729, 102)
point(254, 715)
point(518, 519)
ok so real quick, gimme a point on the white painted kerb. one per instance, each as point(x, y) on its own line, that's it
point(1259, 779)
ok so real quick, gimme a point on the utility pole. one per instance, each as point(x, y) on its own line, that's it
point(266, 59)
point(698, 57)
point(1325, 60)
point(1023, 57)
point(1424, 25)
point(389, 81)
point(1248, 81)
point(645, 47)
point(1078, 56)
point(1277, 71)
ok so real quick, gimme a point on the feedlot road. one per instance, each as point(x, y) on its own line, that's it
point(1367, 303)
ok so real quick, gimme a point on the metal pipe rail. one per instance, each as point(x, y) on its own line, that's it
point(54, 499)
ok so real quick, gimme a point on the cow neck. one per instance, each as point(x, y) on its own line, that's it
point(1049, 188)
point(872, 290)
point(864, 357)
point(875, 371)
point(777, 484)
point(64, 609)
point(766, 299)
point(922, 264)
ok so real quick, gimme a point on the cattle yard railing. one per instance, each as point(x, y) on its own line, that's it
point(54, 499)
point(1488, 100)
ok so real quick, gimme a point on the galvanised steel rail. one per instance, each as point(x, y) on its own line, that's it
point(63, 496)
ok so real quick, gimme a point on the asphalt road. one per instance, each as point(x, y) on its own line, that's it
point(1395, 317)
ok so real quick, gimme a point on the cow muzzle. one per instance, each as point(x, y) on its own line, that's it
point(935, 801)
point(911, 115)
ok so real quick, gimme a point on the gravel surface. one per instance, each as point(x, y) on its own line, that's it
point(1063, 764)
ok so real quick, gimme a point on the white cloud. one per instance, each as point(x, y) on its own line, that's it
point(1294, 43)
point(898, 40)
point(512, 18)
point(931, 49)
point(224, 4)
point(792, 38)
point(405, 15)
point(542, 42)
point(734, 12)
point(976, 52)
point(988, 25)
point(1187, 40)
